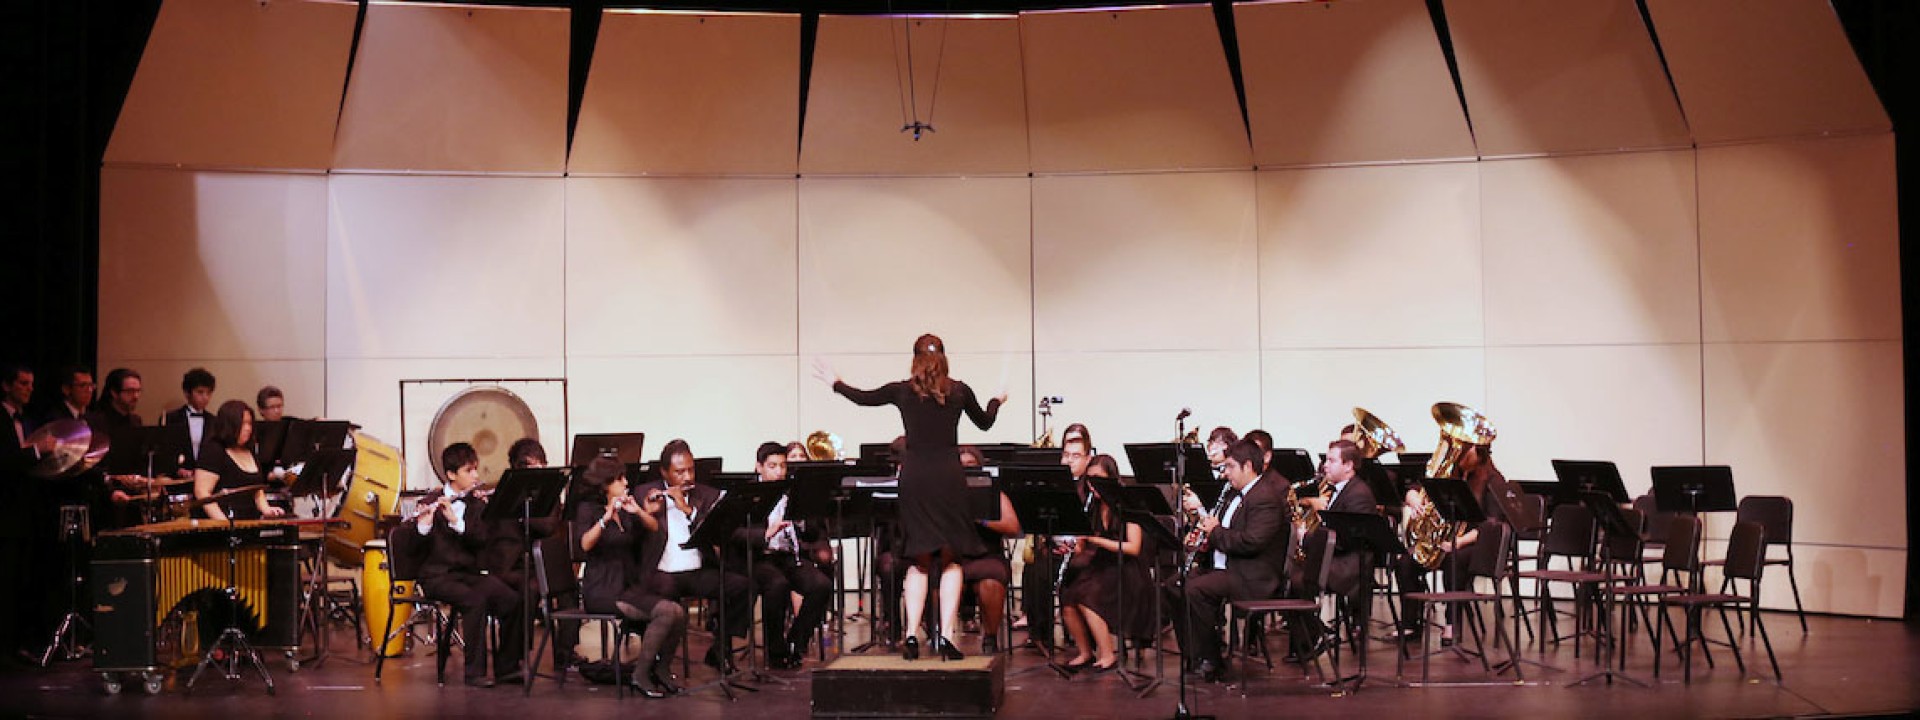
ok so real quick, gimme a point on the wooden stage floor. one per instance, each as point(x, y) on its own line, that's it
point(1843, 666)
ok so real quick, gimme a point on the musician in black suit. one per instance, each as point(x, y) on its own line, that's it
point(76, 394)
point(188, 423)
point(456, 538)
point(1248, 538)
point(1350, 574)
point(19, 610)
point(505, 556)
point(113, 413)
point(785, 561)
point(684, 572)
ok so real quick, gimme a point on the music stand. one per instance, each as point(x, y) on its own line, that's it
point(1414, 458)
point(1153, 463)
point(1047, 503)
point(1596, 475)
point(1294, 464)
point(1361, 532)
point(626, 447)
point(320, 480)
point(876, 453)
point(742, 507)
point(521, 495)
point(269, 440)
point(730, 481)
point(816, 490)
point(873, 503)
point(306, 436)
point(1612, 524)
point(1456, 504)
point(1386, 492)
point(1694, 489)
point(1033, 456)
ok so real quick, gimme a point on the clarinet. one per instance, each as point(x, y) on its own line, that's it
point(1067, 559)
point(1197, 541)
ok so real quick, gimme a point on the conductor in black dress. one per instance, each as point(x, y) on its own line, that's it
point(933, 506)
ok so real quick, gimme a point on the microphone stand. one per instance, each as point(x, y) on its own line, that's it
point(1180, 711)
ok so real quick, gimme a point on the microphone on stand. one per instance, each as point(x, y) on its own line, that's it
point(1184, 412)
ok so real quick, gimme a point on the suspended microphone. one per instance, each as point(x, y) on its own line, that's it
point(1184, 412)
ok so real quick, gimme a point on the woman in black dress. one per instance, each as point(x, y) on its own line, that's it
point(607, 528)
point(933, 487)
point(233, 467)
point(1090, 602)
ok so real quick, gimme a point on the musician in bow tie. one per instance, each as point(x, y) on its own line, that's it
point(453, 573)
point(188, 423)
point(1247, 531)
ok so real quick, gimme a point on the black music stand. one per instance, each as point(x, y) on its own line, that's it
point(1454, 500)
point(730, 481)
point(1361, 532)
point(737, 509)
point(306, 436)
point(1047, 503)
point(1294, 464)
point(1581, 476)
point(1149, 506)
point(1386, 492)
point(881, 453)
point(625, 447)
point(269, 440)
point(1124, 504)
point(139, 451)
point(816, 482)
point(522, 495)
point(1033, 456)
point(1612, 524)
point(320, 480)
point(867, 506)
point(1694, 489)
point(1153, 463)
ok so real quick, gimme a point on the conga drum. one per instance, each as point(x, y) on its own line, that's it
point(377, 588)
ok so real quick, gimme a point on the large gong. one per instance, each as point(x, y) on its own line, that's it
point(489, 417)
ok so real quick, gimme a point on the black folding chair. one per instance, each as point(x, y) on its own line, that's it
point(1489, 562)
point(1746, 556)
point(406, 549)
point(553, 570)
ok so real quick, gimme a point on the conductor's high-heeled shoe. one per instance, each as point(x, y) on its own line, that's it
point(910, 650)
point(945, 648)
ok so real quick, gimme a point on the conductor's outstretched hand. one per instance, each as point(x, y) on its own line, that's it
point(825, 372)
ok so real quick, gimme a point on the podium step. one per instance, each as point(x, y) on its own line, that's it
point(869, 686)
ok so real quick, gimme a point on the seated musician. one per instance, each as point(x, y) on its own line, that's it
point(1039, 575)
point(1111, 566)
point(453, 573)
point(113, 414)
point(788, 564)
point(685, 572)
point(227, 463)
point(506, 554)
point(1217, 443)
point(989, 573)
point(1249, 547)
point(610, 527)
point(1412, 576)
point(797, 452)
point(1352, 570)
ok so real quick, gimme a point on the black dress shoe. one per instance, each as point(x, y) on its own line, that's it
point(910, 650)
point(480, 682)
point(945, 648)
point(785, 661)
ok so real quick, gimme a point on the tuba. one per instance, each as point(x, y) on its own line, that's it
point(1461, 427)
point(1374, 436)
point(822, 445)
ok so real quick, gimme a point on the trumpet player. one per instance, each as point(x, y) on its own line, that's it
point(788, 564)
point(1247, 533)
point(456, 537)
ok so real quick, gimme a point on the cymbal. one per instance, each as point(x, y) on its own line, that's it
point(76, 448)
point(224, 494)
